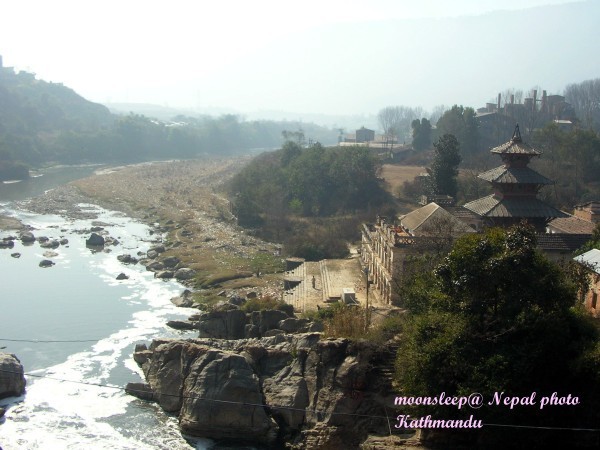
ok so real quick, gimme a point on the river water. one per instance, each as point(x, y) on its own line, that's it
point(74, 397)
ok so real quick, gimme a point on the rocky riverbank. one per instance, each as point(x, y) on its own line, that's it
point(181, 200)
point(291, 391)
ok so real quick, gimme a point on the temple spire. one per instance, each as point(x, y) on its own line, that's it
point(516, 137)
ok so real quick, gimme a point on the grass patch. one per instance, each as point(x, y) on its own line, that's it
point(207, 301)
point(222, 277)
point(264, 303)
point(267, 263)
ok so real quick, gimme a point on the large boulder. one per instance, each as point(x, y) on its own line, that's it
point(268, 319)
point(223, 324)
point(12, 378)
point(185, 273)
point(95, 240)
point(164, 274)
point(182, 324)
point(155, 266)
point(50, 243)
point(217, 383)
point(6, 243)
point(27, 236)
point(127, 259)
point(185, 300)
point(292, 325)
point(158, 248)
point(171, 261)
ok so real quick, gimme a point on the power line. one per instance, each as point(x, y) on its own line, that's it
point(289, 408)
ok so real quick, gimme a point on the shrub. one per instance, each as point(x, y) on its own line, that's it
point(346, 321)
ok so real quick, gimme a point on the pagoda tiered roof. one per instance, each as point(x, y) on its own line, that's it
point(514, 175)
point(527, 208)
point(516, 146)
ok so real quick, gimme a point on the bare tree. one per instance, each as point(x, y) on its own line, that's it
point(585, 99)
point(389, 119)
point(437, 112)
point(395, 121)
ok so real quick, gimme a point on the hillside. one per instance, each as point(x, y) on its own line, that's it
point(45, 123)
point(36, 106)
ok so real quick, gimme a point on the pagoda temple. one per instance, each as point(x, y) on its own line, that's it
point(515, 188)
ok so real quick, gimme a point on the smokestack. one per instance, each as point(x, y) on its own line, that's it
point(534, 100)
point(512, 99)
point(544, 101)
point(499, 97)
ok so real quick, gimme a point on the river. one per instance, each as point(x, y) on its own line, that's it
point(74, 397)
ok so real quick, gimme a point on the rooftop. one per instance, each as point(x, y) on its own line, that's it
point(427, 219)
point(516, 146)
point(572, 225)
point(592, 258)
point(514, 175)
point(526, 207)
point(564, 243)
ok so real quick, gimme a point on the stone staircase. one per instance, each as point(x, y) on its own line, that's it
point(296, 294)
point(325, 280)
point(384, 364)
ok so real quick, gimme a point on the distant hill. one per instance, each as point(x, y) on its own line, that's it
point(29, 104)
point(44, 123)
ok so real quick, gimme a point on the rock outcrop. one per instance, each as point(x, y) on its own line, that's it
point(12, 378)
point(227, 321)
point(294, 389)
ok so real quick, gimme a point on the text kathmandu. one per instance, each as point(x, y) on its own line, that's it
point(405, 421)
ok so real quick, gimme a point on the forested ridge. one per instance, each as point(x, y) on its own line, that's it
point(45, 123)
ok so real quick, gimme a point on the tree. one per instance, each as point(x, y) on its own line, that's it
point(421, 133)
point(294, 136)
point(395, 121)
point(461, 122)
point(585, 99)
point(501, 318)
point(444, 170)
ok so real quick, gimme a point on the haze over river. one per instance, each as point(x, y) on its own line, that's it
point(80, 301)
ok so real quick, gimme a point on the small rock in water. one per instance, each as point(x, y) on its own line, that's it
point(122, 276)
point(15, 255)
point(27, 236)
point(46, 263)
point(50, 243)
point(50, 254)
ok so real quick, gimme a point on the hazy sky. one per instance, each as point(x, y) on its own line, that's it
point(326, 56)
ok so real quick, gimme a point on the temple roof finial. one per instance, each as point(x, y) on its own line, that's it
point(517, 135)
